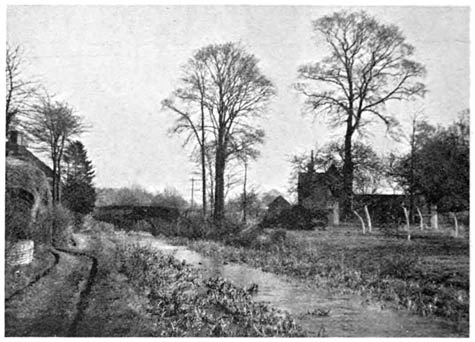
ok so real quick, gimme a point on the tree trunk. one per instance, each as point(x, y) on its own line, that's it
point(219, 185)
point(203, 161)
point(244, 194)
point(347, 191)
point(55, 181)
point(412, 170)
point(58, 182)
point(209, 164)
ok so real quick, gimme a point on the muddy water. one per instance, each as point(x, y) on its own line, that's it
point(349, 315)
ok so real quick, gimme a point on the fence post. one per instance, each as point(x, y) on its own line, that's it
point(361, 220)
point(456, 224)
point(408, 227)
point(434, 219)
point(370, 226)
point(421, 219)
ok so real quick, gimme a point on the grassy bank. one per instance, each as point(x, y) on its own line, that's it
point(428, 275)
point(17, 277)
point(184, 305)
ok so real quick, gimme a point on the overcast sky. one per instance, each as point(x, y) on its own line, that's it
point(115, 65)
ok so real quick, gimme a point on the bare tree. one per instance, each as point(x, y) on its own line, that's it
point(224, 82)
point(19, 92)
point(186, 102)
point(51, 125)
point(369, 65)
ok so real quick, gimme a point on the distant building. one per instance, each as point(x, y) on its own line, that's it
point(322, 191)
point(318, 190)
point(278, 205)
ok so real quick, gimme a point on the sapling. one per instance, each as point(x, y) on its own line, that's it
point(408, 228)
point(361, 220)
point(368, 217)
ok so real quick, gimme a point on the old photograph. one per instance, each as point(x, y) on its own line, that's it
point(237, 171)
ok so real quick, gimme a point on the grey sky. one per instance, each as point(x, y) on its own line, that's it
point(114, 65)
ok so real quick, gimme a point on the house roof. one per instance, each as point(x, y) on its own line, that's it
point(279, 201)
point(21, 152)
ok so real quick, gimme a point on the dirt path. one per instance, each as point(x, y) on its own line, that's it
point(69, 302)
point(47, 308)
point(114, 309)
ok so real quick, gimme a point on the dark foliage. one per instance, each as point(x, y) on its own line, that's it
point(18, 205)
point(154, 219)
point(384, 209)
point(79, 197)
point(61, 221)
point(27, 201)
point(440, 166)
point(298, 218)
point(78, 193)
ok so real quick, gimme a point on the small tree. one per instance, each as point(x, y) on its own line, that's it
point(78, 193)
point(368, 66)
point(51, 125)
point(77, 164)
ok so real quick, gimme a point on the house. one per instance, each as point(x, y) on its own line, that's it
point(16, 148)
point(276, 207)
point(27, 201)
point(322, 191)
point(318, 190)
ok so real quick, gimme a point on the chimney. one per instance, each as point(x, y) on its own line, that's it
point(13, 137)
point(16, 138)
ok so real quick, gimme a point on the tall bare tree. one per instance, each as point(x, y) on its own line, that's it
point(187, 101)
point(223, 93)
point(368, 65)
point(51, 125)
point(19, 92)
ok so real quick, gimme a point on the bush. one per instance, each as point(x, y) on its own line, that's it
point(398, 266)
point(193, 227)
point(79, 197)
point(299, 218)
point(61, 223)
point(18, 225)
point(278, 236)
point(27, 199)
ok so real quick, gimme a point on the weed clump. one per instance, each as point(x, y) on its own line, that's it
point(184, 305)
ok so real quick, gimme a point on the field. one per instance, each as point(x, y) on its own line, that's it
point(428, 275)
